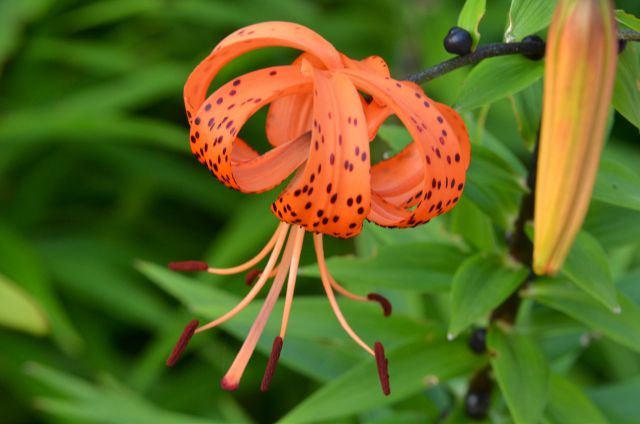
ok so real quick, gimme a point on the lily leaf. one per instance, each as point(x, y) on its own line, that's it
point(626, 94)
point(419, 267)
point(568, 405)
point(527, 17)
point(588, 267)
point(617, 185)
point(19, 311)
point(623, 327)
point(496, 78)
point(412, 368)
point(522, 373)
point(480, 284)
point(470, 16)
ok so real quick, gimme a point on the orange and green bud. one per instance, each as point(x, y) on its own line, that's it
point(579, 76)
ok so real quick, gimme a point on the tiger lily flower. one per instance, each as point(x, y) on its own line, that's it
point(319, 127)
point(579, 77)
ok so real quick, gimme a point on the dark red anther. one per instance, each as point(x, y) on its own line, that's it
point(383, 301)
point(188, 266)
point(252, 276)
point(383, 370)
point(186, 335)
point(271, 365)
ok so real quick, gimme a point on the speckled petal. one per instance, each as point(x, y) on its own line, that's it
point(266, 34)
point(439, 160)
point(290, 117)
point(217, 123)
point(332, 194)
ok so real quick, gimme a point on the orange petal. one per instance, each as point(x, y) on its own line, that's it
point(441, 161)
point(332, 194)
point(396, 178)
point(218, 121)
point(460, 130)
point(266, 34)
point(374, 64)
point(290, 117)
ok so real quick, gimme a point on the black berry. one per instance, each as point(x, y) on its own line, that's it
point(458, 41)
point(477, 404)
point(534, 47)
point(621, 45)
point(477, 341)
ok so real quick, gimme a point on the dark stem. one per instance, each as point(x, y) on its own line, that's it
point(628, 35)
point(493, 50)
point(521, 249)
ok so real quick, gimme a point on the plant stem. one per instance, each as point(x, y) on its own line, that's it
point(521, 249)
point(493, 50)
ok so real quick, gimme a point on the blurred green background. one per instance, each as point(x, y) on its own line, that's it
point(98, 190)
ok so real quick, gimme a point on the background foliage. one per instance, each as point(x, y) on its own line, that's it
point(98, 191)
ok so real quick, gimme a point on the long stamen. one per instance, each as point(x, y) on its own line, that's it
point(383, 301)
point(383, 368)
point(271, 365)
point(324, 274)
point(252, 276)
point(291, 284)
point(182, 342)
point(231, 380)
point(264, 276)
point(202, 266)
point(375, 297)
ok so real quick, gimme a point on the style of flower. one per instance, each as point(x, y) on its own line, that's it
point(319, 127)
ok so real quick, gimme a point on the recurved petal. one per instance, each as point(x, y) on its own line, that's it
point(374, 64)
point(266, 34)
point(217, 123)
point(332, 194)
point(440, 160)
point(460, 130)
point(291, 116)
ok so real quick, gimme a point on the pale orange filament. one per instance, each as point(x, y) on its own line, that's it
point(252, 262)
point(232, 378)
point(326, 282)
point(281, 233)
point(291, 283)
point(345, 292)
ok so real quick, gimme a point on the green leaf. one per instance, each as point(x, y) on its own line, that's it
point(527, 107)
point(19, 311)
point(419, 267)
point(496, 78)
point(21, 264)
point(568, 405)
point(474, 226)
point(492, 187)
point(480, 284)
point(412, 368)
point(612, 226)
point(14, 17)
point(111, 404)
point(618, 185)
point(522, 373)
point(470, 16)
point(623, 327)
point(527, 17)
point(619, 402)
point(587, 266)
point(628, 20)
point(626, 90)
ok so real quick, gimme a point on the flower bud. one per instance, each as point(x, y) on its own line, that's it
point(579, 76)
